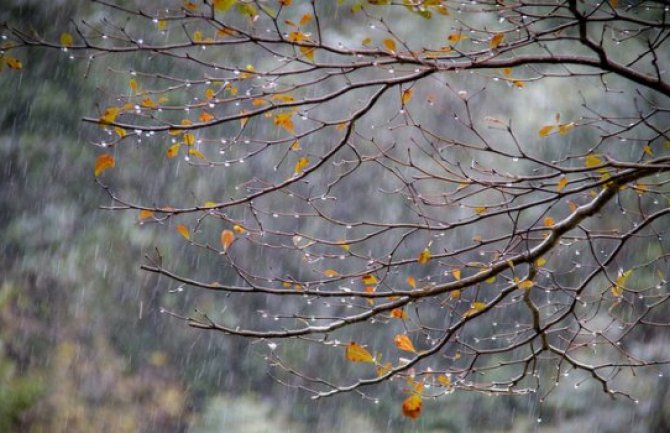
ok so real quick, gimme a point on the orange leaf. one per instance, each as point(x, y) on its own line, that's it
point(398, 313)
point(546, 130)
point(285, 120)
point(411, 281)
point(455, 37)
point(357, 353)
point(496, 40)
point(456, 273)
point(102, 163)
point(406, 96)
point(411, 407)
point(183, 230)
point(548, 221)
point(403, 342)
point(330, 273)
point(390, 44)
point(206, 117)
point(145, 214)
point(173, 151)
point(562, 183)
point(306, 19)
point(227, 239)
point(300, 165)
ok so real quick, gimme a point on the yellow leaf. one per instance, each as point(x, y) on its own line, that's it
point(344, 245)
point(546, 130)
point(507, 72)
point(403, 342)
point(183, 230)
point(282, 97)
point(424, 256)
point(357, 353)
point(562, 183)
point(548, 221)
point(148, 103)
point(411, 406)
point(66, 39)
point(189, 139)
point(196, 153)
point(306, 19)
point(173, 151)
point(518, 83)
point(162, 25)
point(406, 96)
point(145, 214)
point(620, 283)
point(300, 165)
point(227, 239)
point(444, 380)
point(133, 85)
point(366, 41)
point(330, 273)
point(383, 369)
point(120, 131)
point(496, 40)
point(243, 120)
point(295, 146)
point(455, 294)
point(209, 93)
point(526, 284)
point(540, 262)
point(480, 210)
point(456, 273)
point(592, 161)
point(285, 120)
point(308, 52)
point(223, 5)
point(369, 280)
point(491, 280)
point(565, 128)
point(206, 117)
point(475, 307)
point(102, 163)
point(109, 115)
point(411, 281)
point(398, 313)
point(647, 149)
point(390, 44)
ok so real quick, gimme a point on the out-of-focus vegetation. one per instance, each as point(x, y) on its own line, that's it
point(83, 345)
